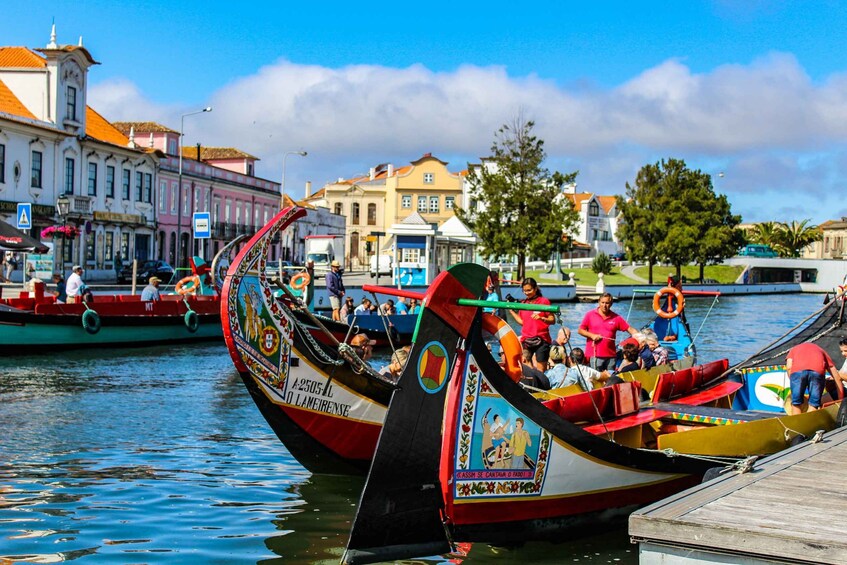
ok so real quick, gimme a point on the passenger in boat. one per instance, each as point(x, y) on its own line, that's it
point(59, 293)
point(580, 373)
point(398, 361)
point(660, 354)
point(600, 327)
point(151, 291)
point(335, 288)
point(348, 308)
point(74, 285)
point(366, 308)
point(401, 307)
point(644, 352)
point(363, 346)
point(413, 306)
point(631, 358)
point(518, 442)
point(535, 326)
point(807, 365)
point(388, 308)
point(556, 373)
point(532, 377)
point(493, 295)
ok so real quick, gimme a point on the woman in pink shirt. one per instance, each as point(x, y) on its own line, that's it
point(599, 327)
point(535, 326)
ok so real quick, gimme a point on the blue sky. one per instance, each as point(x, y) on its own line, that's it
point(755, 89)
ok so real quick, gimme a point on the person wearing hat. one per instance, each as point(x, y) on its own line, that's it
point(151, 291)
point(74, 286)
point(363, 346)
point(335, 289)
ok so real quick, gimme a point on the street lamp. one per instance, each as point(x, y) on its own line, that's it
point(179, 188)
point(63, 206)
point(282, 194)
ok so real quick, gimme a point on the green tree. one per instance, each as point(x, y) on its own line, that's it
point(718, 234)
point(766, 233)
point(795, 236)
point(602, 264)
point(523, 210)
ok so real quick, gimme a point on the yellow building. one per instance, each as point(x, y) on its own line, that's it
point(386, 196)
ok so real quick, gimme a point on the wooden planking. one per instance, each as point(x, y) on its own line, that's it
point(792, 506)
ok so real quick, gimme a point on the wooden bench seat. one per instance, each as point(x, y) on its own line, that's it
point(710, 394)
point(600, 403)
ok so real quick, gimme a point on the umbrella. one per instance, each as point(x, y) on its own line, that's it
point(13, 239)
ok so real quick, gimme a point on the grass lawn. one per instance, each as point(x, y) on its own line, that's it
point(586, 277)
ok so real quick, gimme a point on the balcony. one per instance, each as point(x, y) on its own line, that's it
point(80, 205)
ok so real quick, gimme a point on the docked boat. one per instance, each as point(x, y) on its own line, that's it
point(467, 454)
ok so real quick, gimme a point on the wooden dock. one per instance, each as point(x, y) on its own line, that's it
point(791, 508)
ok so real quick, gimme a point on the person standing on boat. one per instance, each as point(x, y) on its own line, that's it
point(74, 285)
point(535, 326)
point(335, 288)
point(310, 288)
point(151, 291)
point(493, 295)
point(600, 327)
point(807, 365)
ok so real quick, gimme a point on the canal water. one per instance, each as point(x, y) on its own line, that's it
point(158, 455)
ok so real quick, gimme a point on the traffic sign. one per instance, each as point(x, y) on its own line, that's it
point(202, 225)
point(24, 216)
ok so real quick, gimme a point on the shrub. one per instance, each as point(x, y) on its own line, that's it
point(602, 264)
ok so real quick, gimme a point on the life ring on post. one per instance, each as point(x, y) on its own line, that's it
point(300, 281)
point(509, 343)
point(91, 321)
point(192, 321)
point(188, 285)
point(669, 313)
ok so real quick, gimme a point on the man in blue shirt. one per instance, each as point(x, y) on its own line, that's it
point(151, 291)
point(335, 289)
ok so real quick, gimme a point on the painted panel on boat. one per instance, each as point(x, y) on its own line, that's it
point(766, 388)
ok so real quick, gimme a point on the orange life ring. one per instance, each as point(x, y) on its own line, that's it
point(183, 288)
point(300, 280)
point(669, 313)
point(509, 342)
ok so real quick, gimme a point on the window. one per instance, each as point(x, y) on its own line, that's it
point(110, 184)
point(35, 181)
point(406, 202)
point(410, 255)
point(429, 178)
point(433, 204)
point(196, 199)
point(110, 245)
point(2, 163)
point(71, 109)
point(173, 197)
point(185, 201)
point(593, 209)
point(250, 169)
point(371, 214)
point(355, 213)
point(125, 185)
point(148, 188)
point(163, 195)
point(139, 186)
point(125, 246)
point(89, 248)
point(339, 208)
point(448, 202)
point(70, 164)
point(92, 179)
point(422, 204)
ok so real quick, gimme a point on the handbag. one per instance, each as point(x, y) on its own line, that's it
point(533, 342)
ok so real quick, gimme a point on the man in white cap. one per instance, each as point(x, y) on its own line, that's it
point(74, 285)
point(151, 291)
point(335, 289)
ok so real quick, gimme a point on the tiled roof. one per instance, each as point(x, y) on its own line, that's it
point(215, 153)
point(142, 127)
point(21, 58)
point(607, 202)
point(98, 127)
point(579, 199)
point(317, 194)
point(10, 104)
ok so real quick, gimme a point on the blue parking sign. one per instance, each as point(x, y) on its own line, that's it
point(202, 225)
point(24, 216)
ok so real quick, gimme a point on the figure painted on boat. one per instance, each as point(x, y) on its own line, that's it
point(600, 328)
point(518, 443)
point(151, 291)
point(498, 441)
point(807, 365)
point(252, 314)
point(59, 293)
point(535, 326)
point(335, 289)
point(74, 286)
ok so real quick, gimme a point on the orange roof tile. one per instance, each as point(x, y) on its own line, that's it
point(215, 153)
point(317, 194)
point(21, 58)
point(10, 104)
point(607, 202)
point(142, 127)
point(578, 199)
point(99, 128)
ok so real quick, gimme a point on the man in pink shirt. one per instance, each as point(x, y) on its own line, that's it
point(807, 365)
point(599, 327)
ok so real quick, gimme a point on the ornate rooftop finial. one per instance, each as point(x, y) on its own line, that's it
point(151, 140)
point(80, 41)
point(52, 44)
point(132, 138)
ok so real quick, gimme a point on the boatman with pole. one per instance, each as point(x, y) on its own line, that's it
point(599, 327)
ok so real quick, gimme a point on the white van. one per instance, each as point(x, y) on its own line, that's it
point(381, 264)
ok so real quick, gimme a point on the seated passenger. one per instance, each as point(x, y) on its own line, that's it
point(395, 368)
point(582, 374)
point(660, 354)
point(363, 346)
point(556, 372)
point(532, 377)
point(631, 358)
point(365, 308)
point(347, 308)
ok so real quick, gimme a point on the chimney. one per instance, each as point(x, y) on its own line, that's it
point(372, 173)
point(198, 151)
point(308, 188)
point(390, 170)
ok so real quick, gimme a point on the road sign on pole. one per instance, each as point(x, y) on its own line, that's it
point(24, 216)
point(202, 225)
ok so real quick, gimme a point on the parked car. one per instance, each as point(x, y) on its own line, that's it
point(757, 250)
point(147, 269)
point(283, 269)
point(619, 256)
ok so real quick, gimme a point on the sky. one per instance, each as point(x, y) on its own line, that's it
point(756, 90)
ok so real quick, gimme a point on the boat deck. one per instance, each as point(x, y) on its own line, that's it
point(791, 508)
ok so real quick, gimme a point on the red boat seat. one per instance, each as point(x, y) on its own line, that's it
point(597, 404)
point(24, 302)
point(129, 297)
point(101, 298)
point(673, 385)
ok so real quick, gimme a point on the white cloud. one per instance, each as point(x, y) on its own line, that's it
point(764, 123)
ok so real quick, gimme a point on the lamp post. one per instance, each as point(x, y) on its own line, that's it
point(179, 188)
point(63, 206)
point(282, 192)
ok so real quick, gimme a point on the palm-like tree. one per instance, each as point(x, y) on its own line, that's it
point(797, 235)
point(767, 233)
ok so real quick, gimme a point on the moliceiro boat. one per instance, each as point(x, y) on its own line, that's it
point(467, 454)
